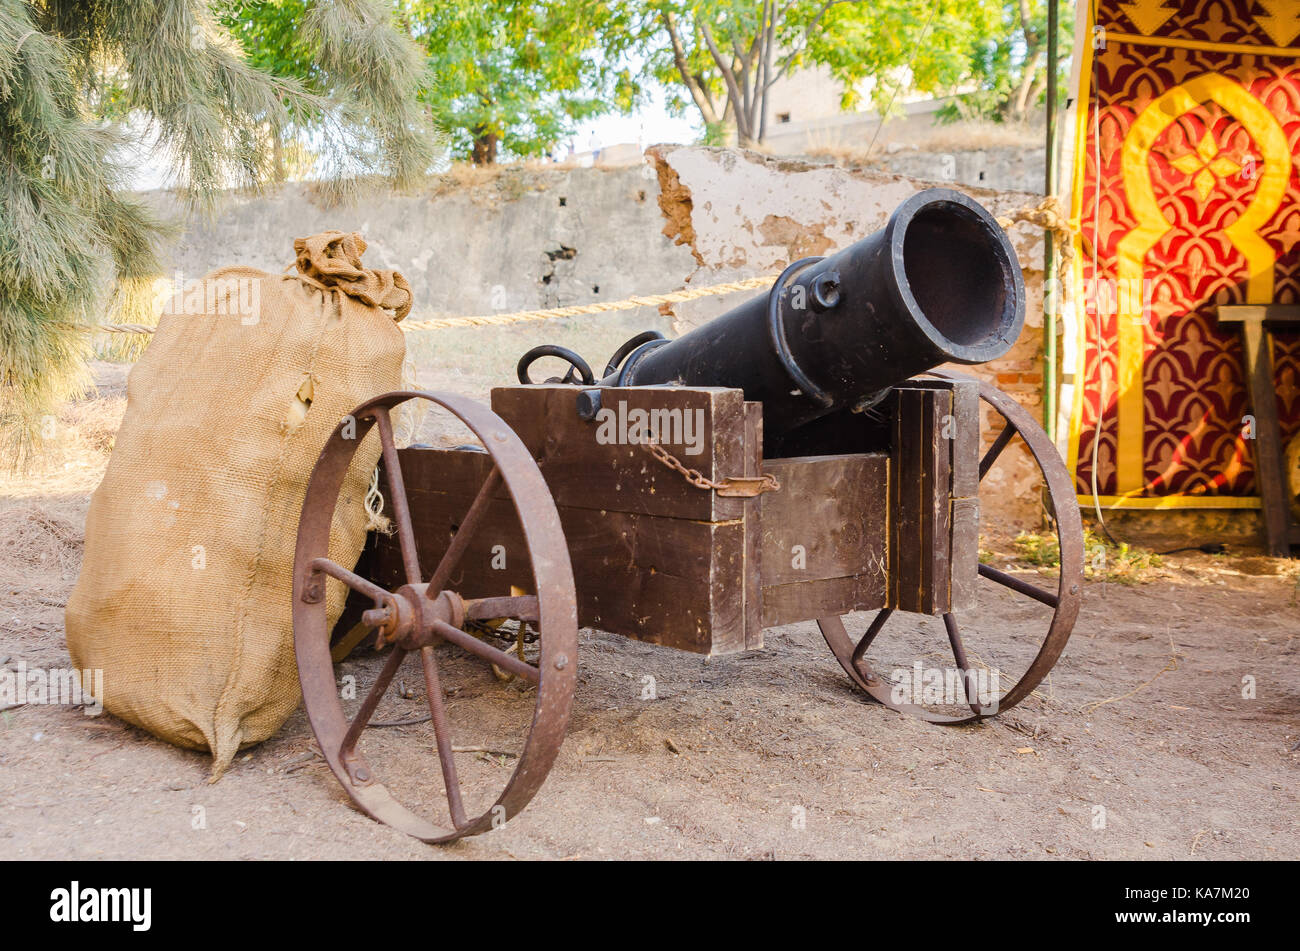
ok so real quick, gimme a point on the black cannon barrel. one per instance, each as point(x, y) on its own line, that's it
point(938, 284)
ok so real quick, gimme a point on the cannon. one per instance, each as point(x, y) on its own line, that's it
point(806, 456)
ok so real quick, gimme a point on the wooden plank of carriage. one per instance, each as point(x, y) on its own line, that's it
point(656, 578)
point(587, 466)
point(962, 435)
point(824, 536)
point(921, 491)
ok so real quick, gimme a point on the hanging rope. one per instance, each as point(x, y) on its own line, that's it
point(578, 310)
point(526, 316)
point(376, 520)
point(1051, 217)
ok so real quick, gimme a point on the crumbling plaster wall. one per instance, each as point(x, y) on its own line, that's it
point(524, 238)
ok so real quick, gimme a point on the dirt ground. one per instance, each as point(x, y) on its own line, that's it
point(1145, 742)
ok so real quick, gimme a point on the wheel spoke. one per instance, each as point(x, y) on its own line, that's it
point(990, 457)
point(469, 524)
point(438, 716)
point(520, 608)
point(368, 705)
point(397, 492)
point(877, 623)
point(351, 579)
point(959, 655)
point(507, 662)
point(1020, 587)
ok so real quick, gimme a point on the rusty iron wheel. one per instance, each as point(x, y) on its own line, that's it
point(423, 613)
point(1063, 602)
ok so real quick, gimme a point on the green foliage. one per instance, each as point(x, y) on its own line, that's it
point(62, 213)
point(905, 47)
point(1102, 560)
point(520, 73)
point(715, 134)
point(1122, 563)
point(269, 32)
point(1006, 57)
point(350, 83)
point(69, 230)
point(722, 55)
point(1034, 549)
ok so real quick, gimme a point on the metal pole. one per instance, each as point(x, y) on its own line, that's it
point(1050, 294)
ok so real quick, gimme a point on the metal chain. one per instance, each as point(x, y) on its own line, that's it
point(743, 487)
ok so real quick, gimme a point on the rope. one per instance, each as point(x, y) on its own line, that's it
point(121, 328)
point(409, 421)
point(526, 316)
point(578, 310)
point(1050, 216)
point(376, 520)
point(1047, 214)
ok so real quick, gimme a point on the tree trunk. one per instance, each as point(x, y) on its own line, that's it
point(1017, 106)
point(1021, 99)
point(485, 147)
point(764, 81)
point(694, 84)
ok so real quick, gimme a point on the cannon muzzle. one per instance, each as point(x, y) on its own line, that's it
point(938, 284)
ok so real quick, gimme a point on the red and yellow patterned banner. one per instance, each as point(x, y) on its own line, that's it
point(1186, 196)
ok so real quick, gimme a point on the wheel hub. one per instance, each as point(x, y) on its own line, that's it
point(407, 616)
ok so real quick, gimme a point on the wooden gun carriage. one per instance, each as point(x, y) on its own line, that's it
point(660, 512)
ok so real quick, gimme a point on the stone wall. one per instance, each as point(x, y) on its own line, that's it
point(513, 239)
point(997, 167)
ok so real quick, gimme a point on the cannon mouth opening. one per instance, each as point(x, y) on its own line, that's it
point(958, 276)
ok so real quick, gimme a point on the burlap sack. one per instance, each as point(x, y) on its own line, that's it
point(184, 597)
